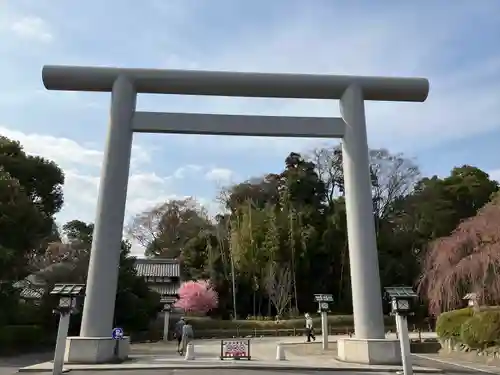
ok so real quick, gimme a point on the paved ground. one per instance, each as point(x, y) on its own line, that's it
point(160, 357)
point(300, 357)
point(10, 365)
point(452, 365)
point(223, 372)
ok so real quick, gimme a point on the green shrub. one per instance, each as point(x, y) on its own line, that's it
point(449, 324)
point(205, 323)
point(260, 317)
point(481, 330)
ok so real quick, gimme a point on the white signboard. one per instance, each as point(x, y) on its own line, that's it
point(323, 298)
point(235, 349)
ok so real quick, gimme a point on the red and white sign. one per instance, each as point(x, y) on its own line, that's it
point(235, 349)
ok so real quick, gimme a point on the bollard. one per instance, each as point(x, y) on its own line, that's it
point(189, 352)
point(280, 353)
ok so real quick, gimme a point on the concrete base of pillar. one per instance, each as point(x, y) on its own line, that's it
point(369, 351)
point(93, 350)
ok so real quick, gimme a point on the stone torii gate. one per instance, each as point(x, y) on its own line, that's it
point(369, 346)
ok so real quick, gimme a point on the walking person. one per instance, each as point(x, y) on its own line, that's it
point(178, 332)
point(187, 336)
point(309, 328)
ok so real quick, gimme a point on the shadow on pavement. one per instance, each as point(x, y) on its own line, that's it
point(10, 365)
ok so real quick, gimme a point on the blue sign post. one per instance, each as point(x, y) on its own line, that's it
point(117, 334)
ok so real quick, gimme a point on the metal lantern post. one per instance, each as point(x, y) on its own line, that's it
point(323, 308)
point(70, 297)
point(402, 301)
point(472, 300)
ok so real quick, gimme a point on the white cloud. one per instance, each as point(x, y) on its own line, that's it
point(220, 175)
point(389, 42)
point(66, 152)
point(495, 174)
point(140, 155)
point(187, 170)
point(80, 196)
point(81, 165)
point(32, 28)
point(147, 189)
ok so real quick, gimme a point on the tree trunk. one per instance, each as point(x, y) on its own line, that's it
point(259, 306)
point(254, 304)
point(292, 245)
point(233, 281)
point(341, 281)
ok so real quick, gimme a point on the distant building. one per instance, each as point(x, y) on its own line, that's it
point(32, 287)
point(29, 291)
point(162, 276)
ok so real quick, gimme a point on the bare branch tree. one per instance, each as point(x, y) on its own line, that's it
point(279, 286)
point(328, 163)
point(164, 229)
point(144, 227)
point(393, 176)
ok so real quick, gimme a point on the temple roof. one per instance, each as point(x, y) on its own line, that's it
point(157, 267)
point(169, 289)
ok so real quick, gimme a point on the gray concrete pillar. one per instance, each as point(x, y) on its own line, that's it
point(363, 255)
point(98, 311)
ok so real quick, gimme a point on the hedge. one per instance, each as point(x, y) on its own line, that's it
point(449, 324)
point(482, 330)
point(476, 329)
point(339, 321)
point(20, 338)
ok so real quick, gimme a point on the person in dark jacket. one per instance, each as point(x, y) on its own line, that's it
point(178, 332)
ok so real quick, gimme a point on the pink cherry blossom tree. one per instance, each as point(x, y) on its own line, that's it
point(466, 261)
point(197, 297)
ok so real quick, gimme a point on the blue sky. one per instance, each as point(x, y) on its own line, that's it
point(452, 43)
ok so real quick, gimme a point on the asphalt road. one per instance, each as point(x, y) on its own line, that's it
point(226, 372)
point(9, 366)
point(448, 369)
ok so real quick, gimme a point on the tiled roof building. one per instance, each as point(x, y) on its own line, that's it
point(161, 275)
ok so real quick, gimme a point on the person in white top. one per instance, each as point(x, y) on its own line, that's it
point(187, 336)
point(309, 328)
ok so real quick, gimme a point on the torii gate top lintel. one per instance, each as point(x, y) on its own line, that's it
point(243, 84)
